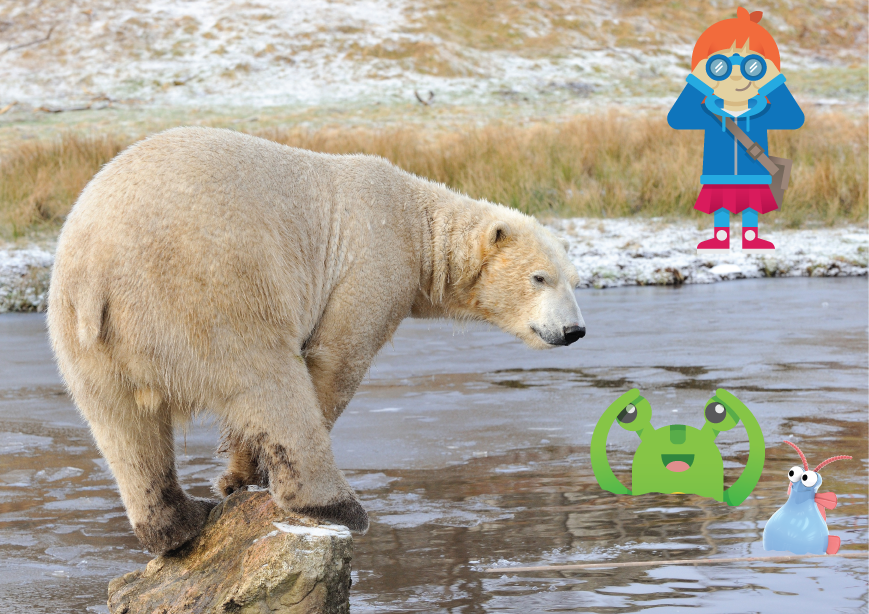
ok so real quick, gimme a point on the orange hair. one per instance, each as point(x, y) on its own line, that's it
point(722, 35)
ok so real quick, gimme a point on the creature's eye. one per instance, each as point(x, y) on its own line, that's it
point(795, 474)
point(540, 278)
point(628, 414)
point(810, 478)
point(715, 412)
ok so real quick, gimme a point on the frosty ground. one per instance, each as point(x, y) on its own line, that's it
point(607, 253)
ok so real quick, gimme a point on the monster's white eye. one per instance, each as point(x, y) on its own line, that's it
point(795, 474)
point(628, 414)
point(810, 478)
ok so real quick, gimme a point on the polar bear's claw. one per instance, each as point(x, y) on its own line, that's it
point(232, 481)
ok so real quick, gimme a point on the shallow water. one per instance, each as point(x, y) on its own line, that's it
point(470, 451)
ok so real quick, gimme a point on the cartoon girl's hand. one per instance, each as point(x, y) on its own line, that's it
point(700, 72)
point(771, 73)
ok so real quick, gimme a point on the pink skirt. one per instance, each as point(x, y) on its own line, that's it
point(735, 198)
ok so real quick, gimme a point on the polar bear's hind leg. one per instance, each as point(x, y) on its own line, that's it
point(138, 444)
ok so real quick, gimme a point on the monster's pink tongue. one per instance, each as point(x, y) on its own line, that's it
point(678, 466)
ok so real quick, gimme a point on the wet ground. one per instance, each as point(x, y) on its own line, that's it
point(471, 451)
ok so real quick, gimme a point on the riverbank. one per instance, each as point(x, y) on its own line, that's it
point(607, 253)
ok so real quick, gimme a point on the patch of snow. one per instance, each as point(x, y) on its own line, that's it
point(607, 253)
point(323, 530)
point(24, 275)
point(725, 269)
point(632, 251)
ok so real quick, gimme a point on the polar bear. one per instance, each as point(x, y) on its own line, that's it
point(204, 269)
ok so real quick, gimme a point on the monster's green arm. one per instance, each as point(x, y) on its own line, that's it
point(740, 490)
point(599, 463)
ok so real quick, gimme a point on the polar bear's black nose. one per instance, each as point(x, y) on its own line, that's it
point(572, 333)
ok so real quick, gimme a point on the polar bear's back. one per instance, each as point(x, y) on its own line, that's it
point(199, 230)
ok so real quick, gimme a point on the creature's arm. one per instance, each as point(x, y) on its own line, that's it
point(784, 112)
point(825, 500)
point(687, 113)
point(740, 490)
point(599, 463)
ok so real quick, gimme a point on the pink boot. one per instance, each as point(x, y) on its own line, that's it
point(719, 245)
point(751, 244)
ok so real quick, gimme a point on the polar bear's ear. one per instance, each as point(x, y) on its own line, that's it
point(496, 233)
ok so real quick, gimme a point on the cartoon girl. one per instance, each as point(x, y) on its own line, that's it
point(735, 74)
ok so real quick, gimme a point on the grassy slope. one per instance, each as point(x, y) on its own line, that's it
point(610, 165)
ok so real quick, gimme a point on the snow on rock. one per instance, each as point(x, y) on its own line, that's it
point(607, 253)
point(631, 251)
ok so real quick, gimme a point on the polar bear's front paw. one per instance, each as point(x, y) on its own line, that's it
point(348, 512)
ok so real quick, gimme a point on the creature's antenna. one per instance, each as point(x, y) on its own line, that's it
point(831, 460)
point(802, 456)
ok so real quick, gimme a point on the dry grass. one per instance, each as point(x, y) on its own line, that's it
point(599, 166)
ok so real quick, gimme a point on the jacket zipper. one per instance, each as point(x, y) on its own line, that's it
point(734, 153)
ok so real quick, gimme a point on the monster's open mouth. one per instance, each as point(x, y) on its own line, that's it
point(677, 462)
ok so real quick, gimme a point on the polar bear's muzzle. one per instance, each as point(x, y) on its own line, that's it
point(566, 336)
point(559, 320)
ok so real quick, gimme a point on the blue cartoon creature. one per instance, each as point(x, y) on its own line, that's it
point(800, 525)
point(735, 94)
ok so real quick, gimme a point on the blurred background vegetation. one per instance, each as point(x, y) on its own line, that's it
point(552, 108)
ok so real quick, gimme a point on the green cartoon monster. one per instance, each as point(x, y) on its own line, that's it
point(679, 459)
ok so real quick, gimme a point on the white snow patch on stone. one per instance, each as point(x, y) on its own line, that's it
point(323, 530)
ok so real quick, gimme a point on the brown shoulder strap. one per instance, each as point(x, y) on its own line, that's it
point(753, 149)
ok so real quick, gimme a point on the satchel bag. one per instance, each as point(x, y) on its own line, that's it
point(779, 168)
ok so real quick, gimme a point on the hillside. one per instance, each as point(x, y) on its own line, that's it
point(61, 54)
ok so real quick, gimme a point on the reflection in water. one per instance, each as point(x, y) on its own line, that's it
point(543, 506)
point(63, 533)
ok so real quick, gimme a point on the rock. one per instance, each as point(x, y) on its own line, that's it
point(251, 557)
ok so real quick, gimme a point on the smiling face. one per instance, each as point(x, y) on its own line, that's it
point(735, 89)
point(526, 287)
point(678, 459)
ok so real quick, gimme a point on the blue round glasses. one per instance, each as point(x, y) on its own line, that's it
point(752, 67)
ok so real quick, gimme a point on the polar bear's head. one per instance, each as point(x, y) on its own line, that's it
point(522, 281)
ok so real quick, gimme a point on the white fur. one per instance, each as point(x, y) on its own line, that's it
point(205, 269)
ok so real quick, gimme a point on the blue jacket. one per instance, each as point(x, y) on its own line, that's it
point(725, 160)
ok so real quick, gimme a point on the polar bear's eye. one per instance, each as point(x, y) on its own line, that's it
point(539, 279)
